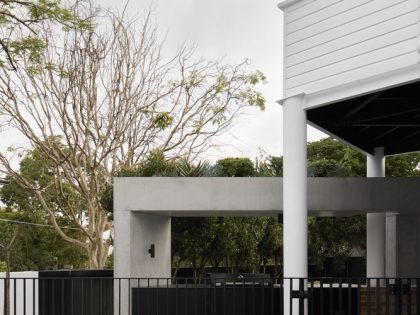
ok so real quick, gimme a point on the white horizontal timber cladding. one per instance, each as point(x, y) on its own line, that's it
point(343, 44)
point(358, 61)
point(334, 42)
point(363, 49)
point(305, 8)
point(336, 13)
point(372, 10)
point(364, 28)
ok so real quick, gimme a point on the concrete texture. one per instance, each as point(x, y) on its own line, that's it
point(408, 245)
point(218, 196)
point(391, 245)
point(134, 234)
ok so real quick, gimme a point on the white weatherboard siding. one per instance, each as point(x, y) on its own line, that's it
point(330, 43)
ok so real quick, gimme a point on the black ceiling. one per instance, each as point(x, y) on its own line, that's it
point(389, 119)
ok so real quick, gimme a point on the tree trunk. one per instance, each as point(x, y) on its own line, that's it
point(6, 308)
point(97, 252)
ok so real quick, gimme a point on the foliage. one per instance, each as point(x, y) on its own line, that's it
point(191, 241)
point(403, 165)
point(248, 232)
point(236, 167)
point(39, 247)
point(275, 165)
point(331, 158)
point(335, 237)
point(21, 22)
point(9, 234)
point(187, 169)
point(266, 166)
point(270, 246)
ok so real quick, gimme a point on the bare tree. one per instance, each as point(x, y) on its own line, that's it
point(103, 100)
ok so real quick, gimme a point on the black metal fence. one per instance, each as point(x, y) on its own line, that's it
point(216, 295)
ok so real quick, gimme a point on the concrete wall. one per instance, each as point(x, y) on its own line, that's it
point(408, 245)
point(329, 43)
point(24, 285)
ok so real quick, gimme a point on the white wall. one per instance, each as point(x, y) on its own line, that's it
point(334, 42)
point(25, 287)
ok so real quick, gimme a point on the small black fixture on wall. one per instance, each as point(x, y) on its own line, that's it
point(152, 250)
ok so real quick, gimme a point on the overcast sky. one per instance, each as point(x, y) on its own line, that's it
point(234, 29)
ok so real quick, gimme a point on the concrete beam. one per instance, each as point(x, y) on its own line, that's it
point(224, 196)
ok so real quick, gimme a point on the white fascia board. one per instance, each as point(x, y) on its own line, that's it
point(359, 88)
point(282, 100)
point(362, 87)
point(286, 3)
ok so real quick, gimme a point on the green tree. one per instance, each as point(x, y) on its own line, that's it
point(266, 166)
point(270, 247)
point(236, 167)
point(39, 245)
point(403, 165)
point(191, 242)
point(247, 235)
point(275, 164)
point(337, 238)
point(223, 245)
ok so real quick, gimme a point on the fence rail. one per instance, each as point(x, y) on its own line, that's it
point(215, 295)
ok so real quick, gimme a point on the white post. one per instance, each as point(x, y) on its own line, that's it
point(375, 254)
point(295, 217)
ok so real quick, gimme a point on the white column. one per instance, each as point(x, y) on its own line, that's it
point(375, 247)
point(295, 218)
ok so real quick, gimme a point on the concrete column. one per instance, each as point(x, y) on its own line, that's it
point(375, 255)
point(134, 235)
point(295, 218)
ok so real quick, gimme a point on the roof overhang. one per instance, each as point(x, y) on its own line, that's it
point(388, 118)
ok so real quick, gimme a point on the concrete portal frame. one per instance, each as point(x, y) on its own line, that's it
point(143, 208)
